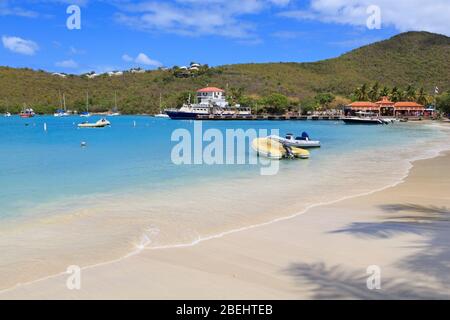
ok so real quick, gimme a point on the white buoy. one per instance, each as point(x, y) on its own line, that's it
point(134, 123)
point(45, 126)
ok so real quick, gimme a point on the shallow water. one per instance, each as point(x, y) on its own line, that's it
point(62, 204)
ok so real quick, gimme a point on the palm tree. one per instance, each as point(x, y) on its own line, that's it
point(410, 93)
point(396, 95)
point(422, 97)
point(384, 92)
point(374, 93)
point(361, 93)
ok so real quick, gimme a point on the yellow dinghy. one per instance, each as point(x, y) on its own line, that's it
point(275, 150)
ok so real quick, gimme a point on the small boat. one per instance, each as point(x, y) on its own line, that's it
point(99, 124)
point(86, 113)
point(161, 115)
point(301, 142)
point(27, 113)
point(115, 111)
point(273, 149)
point(7, 114)
point(60, 113)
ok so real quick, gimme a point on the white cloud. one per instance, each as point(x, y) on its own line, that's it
point(403, 15)
point(197, 17)
point(9, 9)
point(71, 64)
point(127, 58)
point(142, 59)
point(145, 60)
point(19, 45)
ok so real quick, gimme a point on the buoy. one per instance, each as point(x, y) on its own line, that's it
point(134, 123)
point(45, 126)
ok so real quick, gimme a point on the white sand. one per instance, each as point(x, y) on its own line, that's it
point(323, 253)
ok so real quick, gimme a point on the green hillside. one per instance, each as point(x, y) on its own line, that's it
point(420, 59)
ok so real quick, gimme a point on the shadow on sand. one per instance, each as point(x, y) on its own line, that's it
point(433, 258)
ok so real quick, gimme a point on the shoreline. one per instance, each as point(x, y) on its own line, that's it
point(218, 237)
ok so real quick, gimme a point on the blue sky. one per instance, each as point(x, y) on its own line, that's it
point(121, 34)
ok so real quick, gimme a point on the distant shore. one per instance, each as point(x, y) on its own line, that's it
point(323, 253)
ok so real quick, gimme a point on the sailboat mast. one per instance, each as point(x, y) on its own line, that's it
point(115, 100)
point(64, 101)
point(87, 101)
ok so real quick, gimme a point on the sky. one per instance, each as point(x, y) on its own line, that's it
point(78, 36)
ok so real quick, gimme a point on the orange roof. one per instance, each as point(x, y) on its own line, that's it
point(210, 89)
point(363, 104)
point(385, 101)
point(408, 104)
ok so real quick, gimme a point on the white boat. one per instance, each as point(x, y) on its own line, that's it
point(7, 114)
point(300, 142)
point(115, 111)
point(210, 101)
point(86, 113)
point(62, 111)
point(99, 124)
point(161, 115)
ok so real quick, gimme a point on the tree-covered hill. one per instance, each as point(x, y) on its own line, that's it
point(419, 59)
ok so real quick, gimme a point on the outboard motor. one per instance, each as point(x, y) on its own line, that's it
point(289, 152)
point(305, 136)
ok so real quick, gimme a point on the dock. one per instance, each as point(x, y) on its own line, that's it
point(235, 117)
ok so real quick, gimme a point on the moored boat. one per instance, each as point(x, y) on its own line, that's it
point(210, 101)
point(273, 149)
point(301, 142)
point(99, 124)
point(27, 113)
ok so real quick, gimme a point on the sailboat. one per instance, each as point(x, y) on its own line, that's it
point(161, 114)
point(86, 113)
point(61, 112)
point(115, 111)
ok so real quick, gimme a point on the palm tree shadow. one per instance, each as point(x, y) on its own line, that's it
point(334, 282)
point(432, 222)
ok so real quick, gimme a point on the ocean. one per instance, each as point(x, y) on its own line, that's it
point(63, 204)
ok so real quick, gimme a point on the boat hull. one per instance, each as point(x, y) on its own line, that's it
point(363, 121)
point(179, 115)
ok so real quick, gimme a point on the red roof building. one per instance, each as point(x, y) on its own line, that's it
point(210, 89)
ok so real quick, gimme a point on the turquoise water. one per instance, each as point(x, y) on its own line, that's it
point(38, 166)
point(62, 204)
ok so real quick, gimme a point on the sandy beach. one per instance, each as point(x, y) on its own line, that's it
point(320, 254)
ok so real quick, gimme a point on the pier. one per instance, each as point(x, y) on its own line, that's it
point(265, 117)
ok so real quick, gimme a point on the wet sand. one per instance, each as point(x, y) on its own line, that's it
point(322, 253)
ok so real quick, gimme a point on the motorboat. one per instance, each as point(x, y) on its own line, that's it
point(99, 124)
point(273, 149)
point(7, 114)
point(27, 113)
point(364, 118)
point(301, 142)
point(162, 115)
